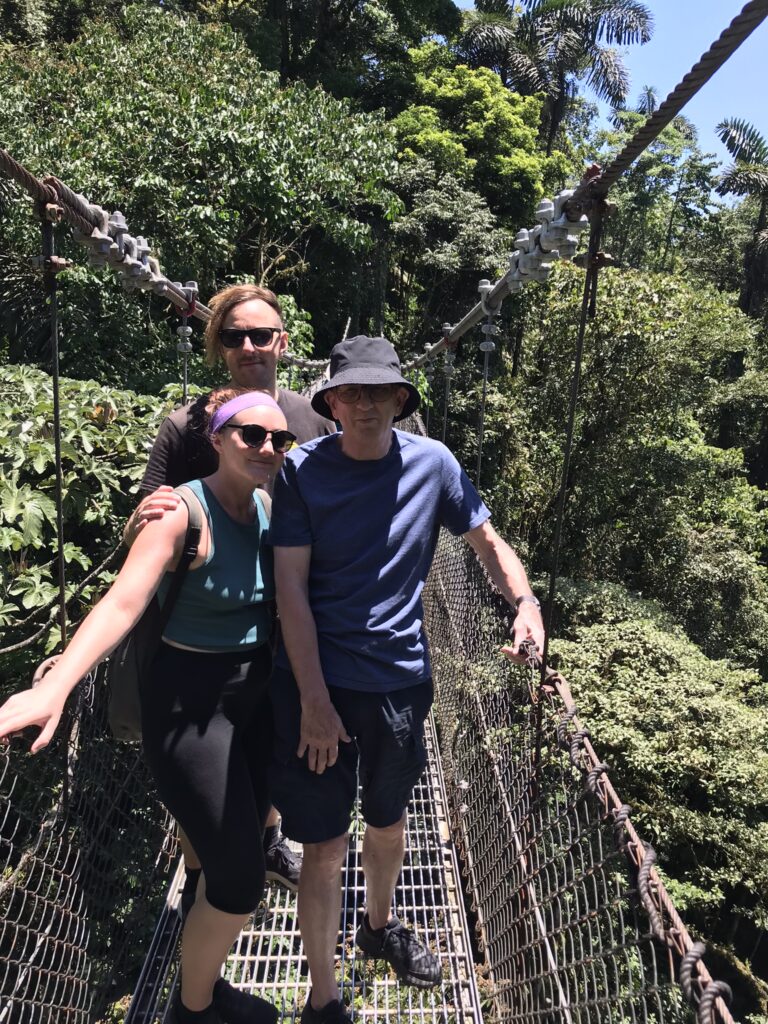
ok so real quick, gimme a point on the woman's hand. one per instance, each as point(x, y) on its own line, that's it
point(41, 706)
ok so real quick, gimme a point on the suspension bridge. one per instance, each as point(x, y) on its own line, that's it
point(523, 868)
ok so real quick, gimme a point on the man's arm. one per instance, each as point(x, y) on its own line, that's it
point(507, 572)
point(321, 727)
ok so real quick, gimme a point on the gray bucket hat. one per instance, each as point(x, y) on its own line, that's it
point(364, 360)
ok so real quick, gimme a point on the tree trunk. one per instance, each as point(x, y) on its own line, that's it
point(755, 289)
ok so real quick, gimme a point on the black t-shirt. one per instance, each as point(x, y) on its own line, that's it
point(182, 451)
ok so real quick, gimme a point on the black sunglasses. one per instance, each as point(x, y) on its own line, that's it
point(255, 435)
point(233, 337)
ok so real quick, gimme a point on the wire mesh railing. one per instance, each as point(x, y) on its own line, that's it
point(84, 851)
point(572, 921)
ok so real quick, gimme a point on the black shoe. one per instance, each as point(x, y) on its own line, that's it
point(237, 1007)
point(180, 1014)
point(331, 1013)
point(413, 962)
point(283, 865)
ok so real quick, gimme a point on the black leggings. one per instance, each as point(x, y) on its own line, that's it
point(207, 734)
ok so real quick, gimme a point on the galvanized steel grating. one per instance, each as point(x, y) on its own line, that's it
point(268, 958)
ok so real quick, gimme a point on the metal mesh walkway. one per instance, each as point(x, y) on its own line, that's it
point(268, 958)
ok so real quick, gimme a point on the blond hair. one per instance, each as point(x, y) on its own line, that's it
point(223, 303)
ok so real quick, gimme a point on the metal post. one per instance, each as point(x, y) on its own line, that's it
point(184, 346)
point(448, 361)
point(449, 357)
point(429, 373)
point(49, 213)
point(486, 347)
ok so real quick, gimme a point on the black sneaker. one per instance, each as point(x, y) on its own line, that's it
point(237, 1007)
point(283, 865)
point(413, 962)
point(331, 1013)
point(181, 1015)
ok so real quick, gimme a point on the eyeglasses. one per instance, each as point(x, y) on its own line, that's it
point(350, 393)
point(233, 337)
point(255, 435)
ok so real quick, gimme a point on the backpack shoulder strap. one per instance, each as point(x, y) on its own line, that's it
point(266, 502)
point(194, 526)
point(191, 544)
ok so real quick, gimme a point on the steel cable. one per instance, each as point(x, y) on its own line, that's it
point(740, 29)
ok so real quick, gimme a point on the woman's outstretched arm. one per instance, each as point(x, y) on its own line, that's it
point(156, 550)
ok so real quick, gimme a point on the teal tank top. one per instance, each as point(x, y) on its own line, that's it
point(226, 603)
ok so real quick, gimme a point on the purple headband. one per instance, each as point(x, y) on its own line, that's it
point(235, 405)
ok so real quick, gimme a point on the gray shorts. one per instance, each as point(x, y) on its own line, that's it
point(387, 731)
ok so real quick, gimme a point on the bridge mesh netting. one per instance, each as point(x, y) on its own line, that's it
point(84, 850)
point(554, 891)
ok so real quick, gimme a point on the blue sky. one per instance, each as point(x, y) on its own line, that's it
point(684, 30)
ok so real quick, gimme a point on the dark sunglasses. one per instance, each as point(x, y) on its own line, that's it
point(233, 337)
point(255, 435)
point(350, 393)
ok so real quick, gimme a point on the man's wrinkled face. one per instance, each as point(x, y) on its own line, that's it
point(251, 365)
point(366, 409)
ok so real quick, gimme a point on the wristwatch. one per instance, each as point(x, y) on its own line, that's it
point(528, 597)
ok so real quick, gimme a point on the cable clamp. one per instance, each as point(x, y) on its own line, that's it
point(50, 264)
point(485, 288)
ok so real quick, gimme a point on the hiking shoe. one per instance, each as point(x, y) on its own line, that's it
point(332, 1013)
point(237, 1007)
point(413, 962)
point(181, 1015)
point(283, 865)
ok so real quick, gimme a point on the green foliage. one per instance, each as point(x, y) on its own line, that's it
point(106, 435)
point(174, 123)
point(652, 502)
point(468, 125)
point(663, 202)
point(547, 48)
point(686, 739)
point(749, 177)
point(443, 240)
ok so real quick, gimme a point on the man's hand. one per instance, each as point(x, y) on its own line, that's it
point(321, 730)
point(154, 506)
point(527, 626)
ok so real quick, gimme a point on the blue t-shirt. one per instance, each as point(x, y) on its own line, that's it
point(373, 527)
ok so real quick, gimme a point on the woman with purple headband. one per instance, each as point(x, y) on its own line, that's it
point(206, 720)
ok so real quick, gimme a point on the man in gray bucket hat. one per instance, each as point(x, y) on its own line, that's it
point(355, 524)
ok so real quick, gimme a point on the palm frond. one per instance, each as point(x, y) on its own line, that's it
point(744, 180)
point(743, 141)
point(485, 38)
point(686, 128)
point(623, 22)
point(761, 242)
point(608, 75)
point(648, 100)
point(501, 8)
point(525, 73)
